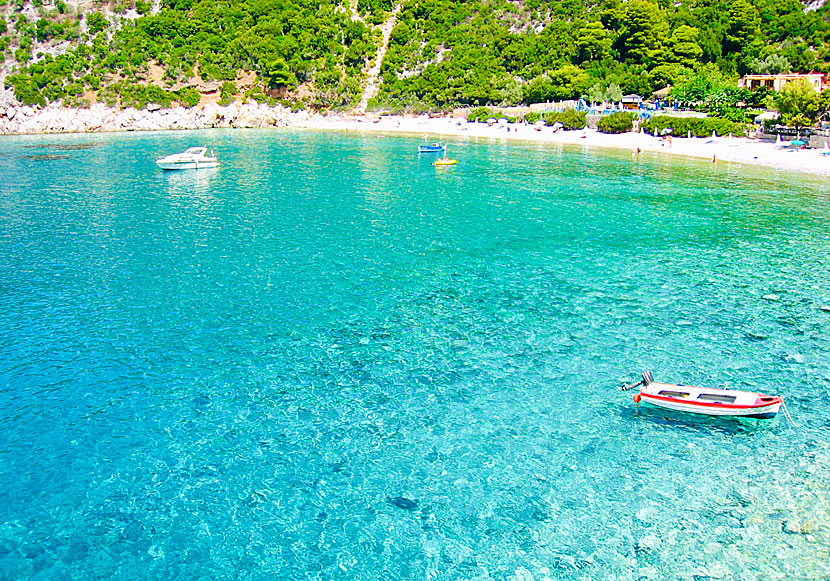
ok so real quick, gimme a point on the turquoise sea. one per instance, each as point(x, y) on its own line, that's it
point(327, 359)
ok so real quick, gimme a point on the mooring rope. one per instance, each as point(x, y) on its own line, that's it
point(787, 414)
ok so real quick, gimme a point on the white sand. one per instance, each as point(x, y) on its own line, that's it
point(721, 149)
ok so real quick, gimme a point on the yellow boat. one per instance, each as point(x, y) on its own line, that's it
point(444, 161)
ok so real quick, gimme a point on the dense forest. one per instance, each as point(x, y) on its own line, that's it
point(441, 54)
point(454, 51)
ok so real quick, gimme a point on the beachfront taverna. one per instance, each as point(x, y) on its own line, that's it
point(777, 82)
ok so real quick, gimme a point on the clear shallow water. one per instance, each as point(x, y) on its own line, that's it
point(329, 360)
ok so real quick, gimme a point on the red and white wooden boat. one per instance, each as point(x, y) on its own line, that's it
point(706, 400)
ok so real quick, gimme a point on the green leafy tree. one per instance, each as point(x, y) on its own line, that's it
point(772, 64)
point(664, 75)
point(800, 105)
point(684, 47)
point(643, 32)
point(568, 82)
point(611, 93)
point(744, 26)
point(594, 42)
point(277, 74)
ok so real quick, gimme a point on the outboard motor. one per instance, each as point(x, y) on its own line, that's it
point(647, 378)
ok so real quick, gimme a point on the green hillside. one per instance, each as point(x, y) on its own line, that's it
point(452, 51)
point(441, 54)
point(288, 44)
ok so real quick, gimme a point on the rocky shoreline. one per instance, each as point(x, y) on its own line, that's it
point(22, 119)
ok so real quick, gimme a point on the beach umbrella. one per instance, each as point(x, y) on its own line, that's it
point(557, 126)
point(540, 123)
point(798, 142)
point(666, 131)
point(491, 120)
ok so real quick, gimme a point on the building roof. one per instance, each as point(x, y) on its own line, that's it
point(782, 75)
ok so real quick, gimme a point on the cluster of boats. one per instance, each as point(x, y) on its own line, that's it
point(199, 158)
point(437, 148)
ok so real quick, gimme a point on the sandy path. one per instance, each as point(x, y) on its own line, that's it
point(374, 71)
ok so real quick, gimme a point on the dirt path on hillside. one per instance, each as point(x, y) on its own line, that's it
point(372, 76)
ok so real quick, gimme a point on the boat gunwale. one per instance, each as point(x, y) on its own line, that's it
point(776, 400)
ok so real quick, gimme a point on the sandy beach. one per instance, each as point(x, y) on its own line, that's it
point(718, 149)
point(99, 118)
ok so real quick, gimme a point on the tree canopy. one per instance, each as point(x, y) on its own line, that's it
point(442, 53)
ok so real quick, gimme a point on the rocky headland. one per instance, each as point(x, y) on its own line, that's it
point(22, 119)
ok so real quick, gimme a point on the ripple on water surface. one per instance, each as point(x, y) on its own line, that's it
point(326, 359)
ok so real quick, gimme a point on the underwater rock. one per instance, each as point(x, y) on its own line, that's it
point(403, 502)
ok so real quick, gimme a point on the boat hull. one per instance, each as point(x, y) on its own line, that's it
point(179, 165)
point(710, 401)
point(758, 412)
point(431, 148)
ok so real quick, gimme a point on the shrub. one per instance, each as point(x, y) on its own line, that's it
point(699, 127)
point(227, 92)
point(96, 22)
point(569, 118)
point(22, 55)
point(139, 96)
point(621, 122)
point(256, 93)
point(25, 89)
point(188, 97)
point(485, 113)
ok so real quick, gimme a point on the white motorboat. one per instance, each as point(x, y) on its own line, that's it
point(706, 400)
point(191, 158)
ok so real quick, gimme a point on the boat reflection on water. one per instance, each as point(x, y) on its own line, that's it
point(191, 184)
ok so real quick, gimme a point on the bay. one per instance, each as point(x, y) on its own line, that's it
point(328, 359)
